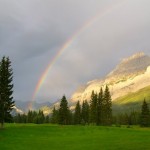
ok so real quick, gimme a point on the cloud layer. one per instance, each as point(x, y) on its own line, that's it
point(33, 31)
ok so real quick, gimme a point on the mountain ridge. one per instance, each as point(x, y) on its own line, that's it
point(130, 75)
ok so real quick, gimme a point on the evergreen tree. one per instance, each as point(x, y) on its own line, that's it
point(64, 112)
point(70, 118)
point(30, 117)
point(77, 114)
point(6, 86)
point(20, 118)
point(85, 112)
point(93, 108)
point(107, 107)
point(135, 117)
point(54, 117)
point(47, 119)
point(41, 117)
point(100, 107)
point(145, 115)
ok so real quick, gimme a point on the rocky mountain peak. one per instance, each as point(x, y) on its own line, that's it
point(134, 56)
point(133, 65)
point(130, 75)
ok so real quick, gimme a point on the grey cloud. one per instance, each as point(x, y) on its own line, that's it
point(32, 32)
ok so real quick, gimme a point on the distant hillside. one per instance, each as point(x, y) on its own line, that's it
point(23, 105)
point(129, 83)
point(132, 101)
point(131, 75)
point(130, 67)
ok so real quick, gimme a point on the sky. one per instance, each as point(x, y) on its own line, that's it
point(99, 33)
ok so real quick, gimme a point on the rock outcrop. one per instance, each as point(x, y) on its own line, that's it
point(131, 75)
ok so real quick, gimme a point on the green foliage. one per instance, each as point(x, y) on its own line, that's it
point(31, 117)
point(77, 114)
point(85, 113)
point(39, 118)
point(100, 107)
point(54, 117)
point(130, 118)
point(93, 108)
point(6, 86)
point(20, 118)
point(131, 102)
point(64, 112)
point(107, 108)
point(145, 115)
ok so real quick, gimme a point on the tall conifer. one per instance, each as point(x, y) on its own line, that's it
point(93, 108)
point(145, 115)
point(107, 107)
point(54, 117)
point(85, 112)
point(64, 111)
point(77, 114)
point(6, 86)
point(100, 107)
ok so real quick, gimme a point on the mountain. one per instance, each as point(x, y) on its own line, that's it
point(130, 77)
point(130, 67)
point(16, 111)
point(23, 105)
point(131, 101)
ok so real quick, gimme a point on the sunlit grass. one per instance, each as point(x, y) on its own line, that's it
point(135, 97)
point(55, 137)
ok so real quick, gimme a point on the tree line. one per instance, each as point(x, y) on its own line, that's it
point(97, 112)
point(32, 117)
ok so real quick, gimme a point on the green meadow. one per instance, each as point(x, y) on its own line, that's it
point(136, 97)
point(132, 101)
point(57, 137)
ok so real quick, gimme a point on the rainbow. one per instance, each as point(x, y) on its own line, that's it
point(68, 43)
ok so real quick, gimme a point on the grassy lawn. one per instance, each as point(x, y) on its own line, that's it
point(54, 137)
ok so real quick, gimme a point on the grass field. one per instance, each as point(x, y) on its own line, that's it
point(136, 97)
point(49, 137)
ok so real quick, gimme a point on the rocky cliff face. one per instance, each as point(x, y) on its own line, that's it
point(131, 75)
point(130, 67)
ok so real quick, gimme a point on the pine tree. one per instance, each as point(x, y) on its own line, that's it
point(85, 112)
point(64, 112)
point(6, 86)
point(70, 117)
point(107, 107)
point(30, 117)
point(47, 119)
point(93, 108)
point(145, 115)
point(100, 107)
point(77, 114)
point(41, 117)
point(54, 117)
